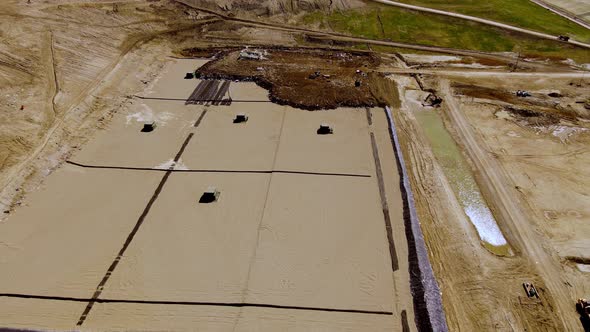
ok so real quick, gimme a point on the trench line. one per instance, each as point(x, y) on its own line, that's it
point(382, 195)
point(193, 303)
point(134, 231)
point(428, 310)
point(271, 171)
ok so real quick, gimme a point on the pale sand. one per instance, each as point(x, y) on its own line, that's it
point(123, 144)
point(125, 317)
point(187, 251)
point(247, 91)
point(39, 314)
point(280, 239)
point(313, 250)
point(172, 84)
point(348, 150)
point(221, 144)
point(51, 246)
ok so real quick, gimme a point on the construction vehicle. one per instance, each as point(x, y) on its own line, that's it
point(583, 308)
point(530, 290)
point(210, 195)
point(240, 118)
point(148, 127)
point(563, 38)
point(522, 93)
point(432, 100)
point(325, 129)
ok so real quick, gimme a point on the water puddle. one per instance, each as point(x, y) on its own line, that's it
point(462, 181)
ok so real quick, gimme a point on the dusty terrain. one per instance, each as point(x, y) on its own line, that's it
point(533, 146)
point(243, 256)
point(299, 239)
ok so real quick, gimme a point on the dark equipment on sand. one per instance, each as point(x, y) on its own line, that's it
point(583, 308)
point(530, 290)
point(240, 118)
point(210, 195)
point(148, 127)
point(325, 129)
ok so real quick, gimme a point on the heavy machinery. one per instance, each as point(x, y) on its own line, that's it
point(240, 118)
point(530, 290)
point(325, 129)
point(583, 308)
point(148, 126)
point(210, 195)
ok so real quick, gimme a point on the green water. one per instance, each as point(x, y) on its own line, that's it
point(460, 177)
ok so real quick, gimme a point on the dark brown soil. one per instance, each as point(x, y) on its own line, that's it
point(533, 117)
point(547, 110)
point(290, 77)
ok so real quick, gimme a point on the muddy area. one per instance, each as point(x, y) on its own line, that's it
point(306, 78)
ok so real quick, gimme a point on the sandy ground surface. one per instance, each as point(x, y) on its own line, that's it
point(76, 80)
point(272, 238)
point(551, 198)
point(548, 166)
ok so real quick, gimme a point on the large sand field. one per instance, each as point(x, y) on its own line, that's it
point(296, 241)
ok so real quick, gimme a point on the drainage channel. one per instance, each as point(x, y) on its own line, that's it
point(428, 308)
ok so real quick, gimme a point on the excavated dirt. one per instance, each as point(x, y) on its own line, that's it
point(308, 79)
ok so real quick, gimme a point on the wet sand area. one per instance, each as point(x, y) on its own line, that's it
point(303, 234)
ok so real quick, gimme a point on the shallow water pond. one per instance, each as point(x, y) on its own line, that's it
point(459, 174)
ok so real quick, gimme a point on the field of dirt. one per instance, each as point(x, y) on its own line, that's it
point(300, 237)
point(255, 259)
point(534, 151)
point(307, 78)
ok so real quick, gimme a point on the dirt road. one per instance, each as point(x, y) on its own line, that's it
point(512, 216)
point(479, 20)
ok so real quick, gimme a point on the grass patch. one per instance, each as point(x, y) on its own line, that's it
point(521, 13)
point(396, 24)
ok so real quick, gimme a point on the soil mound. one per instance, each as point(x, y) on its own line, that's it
point(310, 79)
